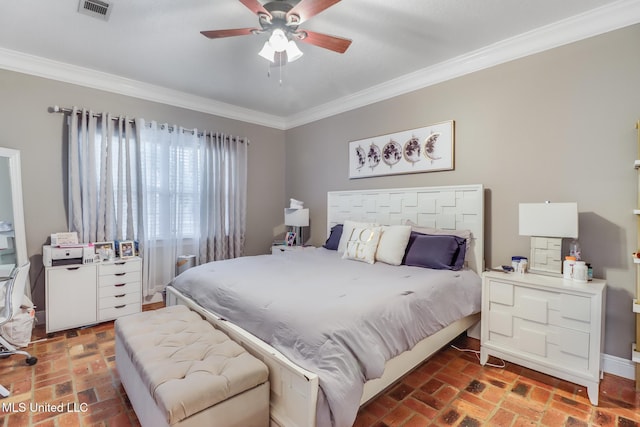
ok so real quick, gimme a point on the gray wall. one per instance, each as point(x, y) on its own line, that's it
point(555, 126)
point(26, 125)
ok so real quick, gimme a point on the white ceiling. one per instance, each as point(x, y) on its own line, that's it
point(153, 49)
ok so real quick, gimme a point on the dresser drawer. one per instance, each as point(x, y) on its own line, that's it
point(118, 310)
point(117, 300)
point(501, 293)
point(553, 308)
point(119, 278)
point(117, 267)
point(119, 289)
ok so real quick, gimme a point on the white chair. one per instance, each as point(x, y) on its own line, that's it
point(13, 288)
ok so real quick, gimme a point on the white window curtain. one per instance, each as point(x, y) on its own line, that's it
point(102, 178)
point(169, 176)
point(176, 191)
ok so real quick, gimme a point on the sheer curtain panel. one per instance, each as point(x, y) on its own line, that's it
point(169, 174)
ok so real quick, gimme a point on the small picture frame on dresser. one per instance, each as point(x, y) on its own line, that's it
point(126, 249)
point(291, 238)
point(104, 250)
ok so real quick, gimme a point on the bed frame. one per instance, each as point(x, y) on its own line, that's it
point(294, 391)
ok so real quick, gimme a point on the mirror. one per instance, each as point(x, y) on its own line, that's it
point(13, 242)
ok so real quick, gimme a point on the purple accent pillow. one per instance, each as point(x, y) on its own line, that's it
point(441, 252)
point(334, 238)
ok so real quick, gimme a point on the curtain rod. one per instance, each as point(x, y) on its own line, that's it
point(58, 109)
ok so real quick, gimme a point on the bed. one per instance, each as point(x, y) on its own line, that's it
point(285, 324)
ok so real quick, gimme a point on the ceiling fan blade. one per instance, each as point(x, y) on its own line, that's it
point(256, 7)
point(308, 8)
point(336, 44)
point(218, 34)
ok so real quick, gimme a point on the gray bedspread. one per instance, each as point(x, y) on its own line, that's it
point(341, 319)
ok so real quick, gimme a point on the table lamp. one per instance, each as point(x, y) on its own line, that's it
point(547, 224)
point(297, 218)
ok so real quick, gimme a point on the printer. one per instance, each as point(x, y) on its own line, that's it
point(56, 255)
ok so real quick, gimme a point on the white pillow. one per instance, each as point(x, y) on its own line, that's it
point(363, 244)
point(347, 229)
point(393, 243)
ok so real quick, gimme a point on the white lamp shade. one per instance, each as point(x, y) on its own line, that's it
point(278, 40)
point(548, 219)
point(293, 52)
point(296, 217)
point(267, 52)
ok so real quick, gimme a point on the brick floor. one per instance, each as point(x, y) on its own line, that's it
point(75, 383)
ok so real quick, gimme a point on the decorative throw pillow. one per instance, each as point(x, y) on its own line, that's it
point(334, 238)
point(441, 252)
point(393, 243)
point(363, 244)
point(347, 229)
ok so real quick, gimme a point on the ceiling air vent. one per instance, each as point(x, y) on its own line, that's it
point(96, 8)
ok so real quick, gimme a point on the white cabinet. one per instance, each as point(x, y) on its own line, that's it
point(80, 295)
point(70, 294)
point(545, 323)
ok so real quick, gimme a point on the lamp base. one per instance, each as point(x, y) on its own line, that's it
point(545, 257)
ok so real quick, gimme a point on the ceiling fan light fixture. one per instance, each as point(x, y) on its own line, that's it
point(267, 52)
point(278, 40)
point(293, 52)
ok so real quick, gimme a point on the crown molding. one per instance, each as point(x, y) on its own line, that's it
point(597, 21)
point(60, 71)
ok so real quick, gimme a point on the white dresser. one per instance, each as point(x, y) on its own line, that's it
point(545, 323)
point(84, 294)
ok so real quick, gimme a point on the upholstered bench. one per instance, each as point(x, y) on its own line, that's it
point(178, 370)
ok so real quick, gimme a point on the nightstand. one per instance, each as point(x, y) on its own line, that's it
point(281, 249)
point(545, 323)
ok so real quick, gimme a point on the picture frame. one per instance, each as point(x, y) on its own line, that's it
point(126, 249)
point(426, 149)
point(103, 245)
point(291, 238)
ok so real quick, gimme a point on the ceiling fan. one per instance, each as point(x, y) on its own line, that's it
point(280, 19)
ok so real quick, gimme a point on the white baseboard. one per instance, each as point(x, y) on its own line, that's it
point(624, 368)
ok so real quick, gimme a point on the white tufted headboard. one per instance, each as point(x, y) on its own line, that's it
point(456, 207)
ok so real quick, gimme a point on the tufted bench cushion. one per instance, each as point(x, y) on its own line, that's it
point(186, 364)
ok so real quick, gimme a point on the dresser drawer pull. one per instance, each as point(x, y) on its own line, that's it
point(119, 296)
point(120, 274)
point(120, 263)
point(118, 285)
point(72, 268)
point(120, 306)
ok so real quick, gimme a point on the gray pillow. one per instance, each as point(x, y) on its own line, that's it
point(334, 238)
